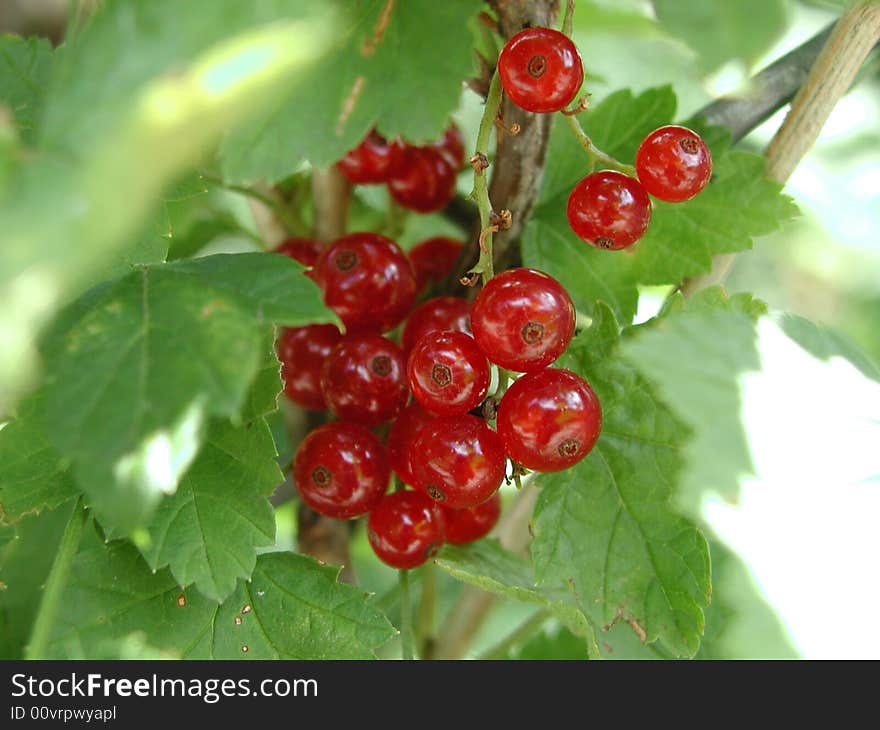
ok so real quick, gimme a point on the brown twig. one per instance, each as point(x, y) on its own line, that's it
point(519, 159)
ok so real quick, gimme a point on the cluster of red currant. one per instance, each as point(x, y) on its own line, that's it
point(434, 387)
point(541, 71)
point(441, 443)
point(421, 178)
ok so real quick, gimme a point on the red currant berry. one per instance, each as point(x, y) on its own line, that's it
point(367, 280)
point(341, 470)
point(403, 432)
point(448, 373)
point(305, 250)
point(424, 180)
point(440, 314)
point(549, 420)
point(372, 161)
point(458, 460)
point(434, 259)
point(523, 319)
point(405, 529)
point(469, 525)
point(364, 379)
point(302, 351)
point(609, 210)
point(452, 147)
point(673, 163)
point(541, 70)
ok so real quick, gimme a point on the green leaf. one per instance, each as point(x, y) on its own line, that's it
point(25, 67)
point(737, 205)
point(797, 437)
point(269, 285)
point(25, 561)
point(115, 134)
point(152, 356)
point(739, 623)
point(292, 608)
point(559, 644)
point(824, 343)
point(262, 399)
point(606, 526)
point(91, 91)
point(33, 475)
point(489, 566)
point(724, 31)
point(698, 371)
point(209, 529)
point(368, 80)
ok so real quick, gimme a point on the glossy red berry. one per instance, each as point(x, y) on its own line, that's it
point(341, 470)
point(609, 210)
point(541, 70)
point(439, 314)
point(302, 352)
point(372, 161)
point(403, 432)
point(458, 460)
point(452, 147)
point(405, 529)
point(468, 525)
point(523, 319)
point(424, 180)
point(305, 250)
point(673, 163)
point(364, 379)
point(549, 420)
point(367, 280)
point(448, 373)
point(434, 259)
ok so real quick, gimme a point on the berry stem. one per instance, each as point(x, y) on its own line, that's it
point(406, 622)
point(480, 194)
point(596, 155)
point(516, 637)
point(291, 223)
point(50, 601)
point(425, 628)
point(396, 221)
point(568, 19)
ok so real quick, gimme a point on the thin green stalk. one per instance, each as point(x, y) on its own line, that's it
point(480, 195)
point(522, 632)
point(291, 223)
point(596, 155)
point(397, 216)
point(425, 628)
point(406, 627)
point(568, 20)
point(51, 599)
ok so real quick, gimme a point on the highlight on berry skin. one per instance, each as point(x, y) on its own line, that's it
point(673, 163)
